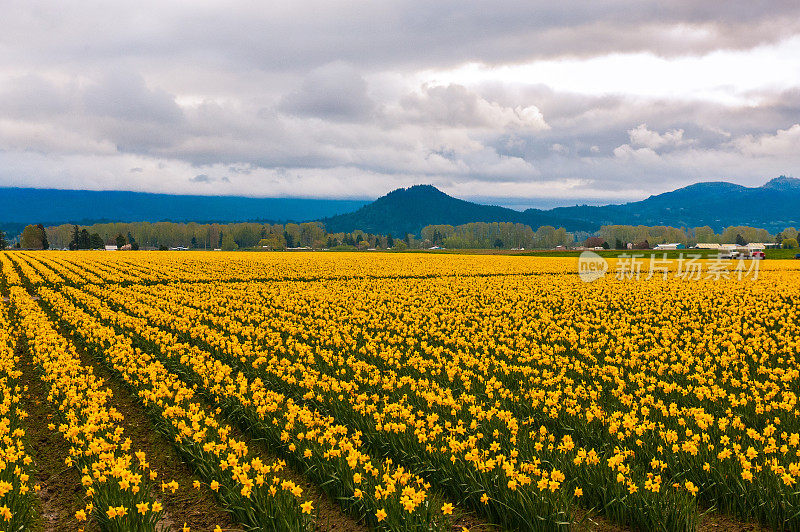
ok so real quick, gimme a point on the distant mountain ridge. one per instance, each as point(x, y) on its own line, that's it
point(772, 206)
point(54, 206)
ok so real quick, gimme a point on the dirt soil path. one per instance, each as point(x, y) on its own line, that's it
point(61, 492)
point(329, 515)
point(196, 508)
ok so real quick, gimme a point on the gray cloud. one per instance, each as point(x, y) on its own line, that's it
point(311, 34)
point(124, 95)
point(322, 98)
point(335, 92)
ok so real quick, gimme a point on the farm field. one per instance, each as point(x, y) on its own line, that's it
point(403, 392)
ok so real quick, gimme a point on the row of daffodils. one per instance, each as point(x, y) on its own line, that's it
point(8, 273)
point(388, 497)
point(499, 489)
point(117, 484)
point(503, 384)
point(253, 491)
point(17, 506)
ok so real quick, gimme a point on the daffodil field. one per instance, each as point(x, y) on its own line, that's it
point(16, 493)
point(411, 389)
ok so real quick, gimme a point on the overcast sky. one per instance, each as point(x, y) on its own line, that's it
point(530, 102)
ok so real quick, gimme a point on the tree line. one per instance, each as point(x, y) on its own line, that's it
point(484, 235)
point(500, 235)
point(640, 236)
point(478, 235)
point(246, 235)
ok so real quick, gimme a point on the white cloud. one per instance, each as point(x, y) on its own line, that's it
point(640, 155)
point(641, 136)
point(785, 142)
point(456, 106)
point(732, 77)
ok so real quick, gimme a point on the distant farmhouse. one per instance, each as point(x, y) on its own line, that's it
point(676, 245)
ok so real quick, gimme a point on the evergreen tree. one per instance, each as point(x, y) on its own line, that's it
point(45, 243)
point(119, 240)
point(95, 242)
point(84, 240)
point(3, 241)
point(76, 238)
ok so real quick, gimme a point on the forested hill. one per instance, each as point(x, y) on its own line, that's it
point(408, 210)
